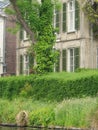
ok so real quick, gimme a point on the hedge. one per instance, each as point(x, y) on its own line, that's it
point(49, 87)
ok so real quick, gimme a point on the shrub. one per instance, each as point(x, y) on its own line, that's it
point(26, 91)
point(56, 86)
point(42, 117)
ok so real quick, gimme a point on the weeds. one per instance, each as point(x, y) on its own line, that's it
point(68, 113)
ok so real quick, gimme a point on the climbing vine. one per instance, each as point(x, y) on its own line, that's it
point(91, 10)
point(45, 55)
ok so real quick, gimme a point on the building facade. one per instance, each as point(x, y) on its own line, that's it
point(7, 42)
point(74, 40)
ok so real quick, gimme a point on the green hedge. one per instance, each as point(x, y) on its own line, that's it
point(50, 87)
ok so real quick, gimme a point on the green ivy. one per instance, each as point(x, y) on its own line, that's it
point(92, 14)
point(45, 56)
point(39, 17)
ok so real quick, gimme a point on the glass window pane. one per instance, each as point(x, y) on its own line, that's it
point(71, 15)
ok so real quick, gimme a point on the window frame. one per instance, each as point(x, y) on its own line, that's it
point(72, 59)
point(70, 21)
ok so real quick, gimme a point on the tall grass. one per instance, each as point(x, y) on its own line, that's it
point(75, 112)
point(68, 113)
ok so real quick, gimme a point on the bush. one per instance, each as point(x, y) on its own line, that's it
point(42, 117)
point(55, 86)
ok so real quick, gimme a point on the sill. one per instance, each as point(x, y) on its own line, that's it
point(58, 40)
point(69, 32)
point(24, 40)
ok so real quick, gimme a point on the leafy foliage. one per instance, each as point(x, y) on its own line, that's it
point(45, 56)
point(42, 117)
point(38, 16)
point(50, 87)
point(91, 11)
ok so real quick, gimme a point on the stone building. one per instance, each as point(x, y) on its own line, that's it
point(7, 42)
point(75, 39)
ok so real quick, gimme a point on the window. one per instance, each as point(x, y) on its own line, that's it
point(74, 59)
point(70, 19)
point(57, 20)
point(23, 34)
point(26, 64)
point(71, 15)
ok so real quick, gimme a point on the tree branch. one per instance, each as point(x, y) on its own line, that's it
point(22, 21)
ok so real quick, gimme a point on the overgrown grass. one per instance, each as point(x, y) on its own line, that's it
point(75, 112)
point(68, 113)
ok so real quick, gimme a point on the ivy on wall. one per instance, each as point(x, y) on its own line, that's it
point(91, 10)
point(45, 55)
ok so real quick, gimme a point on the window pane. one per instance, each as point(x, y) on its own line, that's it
point(57, 21)
point(71, 21)
point(71, 15)
point(71, 5)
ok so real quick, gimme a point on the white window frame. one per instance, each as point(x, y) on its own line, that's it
point(71, 16)
point(71, 59)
